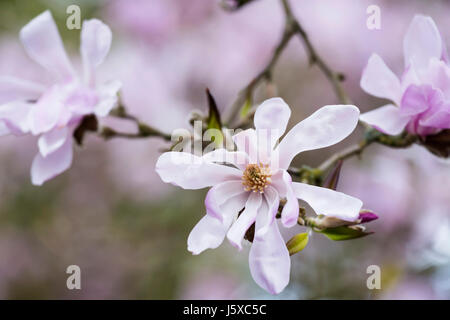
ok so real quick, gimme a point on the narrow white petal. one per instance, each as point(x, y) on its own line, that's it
point(325, 127)
point(328, 202)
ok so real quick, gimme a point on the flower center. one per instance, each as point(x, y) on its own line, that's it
point(256, 177)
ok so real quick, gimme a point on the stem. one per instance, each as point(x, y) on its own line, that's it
point(404, 140)
point(144, 130)
point(265, 74)
point(349, 152)
point(291, 28)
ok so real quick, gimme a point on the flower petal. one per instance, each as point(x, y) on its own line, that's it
point(12, 89)
point(210, 232)
point(273, 200)
point(44, 169)
point(269, 260)
point(191, 172)
point(328, 202)
point(4, 130)
point(378, 80)
point(51, 141)
point(238, 159)
point(422, 42)
point(246, 141)
point(386, 119)
point(245, 220)
point(15, 116)
point(272, 116)
point(282, 181)
point(440, 118)
point(45, 114)
point(416, 100)
point(219, 194)
point(41, 40)
point(108, 98)
point(325, 127)
point(95, 44)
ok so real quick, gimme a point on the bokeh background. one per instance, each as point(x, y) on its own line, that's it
point(110, 213)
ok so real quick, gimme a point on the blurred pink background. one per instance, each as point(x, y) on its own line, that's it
point(127, 230)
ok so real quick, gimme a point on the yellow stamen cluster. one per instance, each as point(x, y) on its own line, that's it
point(256, 177)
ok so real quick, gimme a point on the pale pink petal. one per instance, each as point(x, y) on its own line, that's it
point(45, 114)
point(386, 119)
point(51, 141)
point(328, 202)
point(95, 44)
point(191, 172)
point(210, 232)
point(422, 42)
point(378, 80)
point(246, 141)
point(15, 116)
point(325, 127)
point(41, 40)
point(238, 159)
point(439, 118)
point(245, 220)
point(416, 100)
point(221, 193)
point(4, 130)
point(410, 77)
point(282, 181)
point(438, 76)
point(269, 260)
point(108, 94)
point(80, 101)
point(272, 200)
point(272, 117)
point(12, 89)
point(44, 169)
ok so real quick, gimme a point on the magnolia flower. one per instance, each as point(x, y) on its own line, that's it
point(53, 112)
point(247, 189)
point(421, 97)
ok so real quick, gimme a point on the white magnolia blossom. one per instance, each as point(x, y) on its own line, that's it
point(247, 185)
point(53, 112)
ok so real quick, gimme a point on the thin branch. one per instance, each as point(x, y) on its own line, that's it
point(144, 130)
point(349, 152)
point(335, 78)
point(265, 74)
point(292, 27)
point(404, 140)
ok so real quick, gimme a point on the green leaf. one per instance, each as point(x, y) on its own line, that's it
point(297, 243)
point(214, 121)
point(344, 233)
point(246, 107)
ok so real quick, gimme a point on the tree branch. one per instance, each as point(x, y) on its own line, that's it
point(292, 27)
point(144, 130)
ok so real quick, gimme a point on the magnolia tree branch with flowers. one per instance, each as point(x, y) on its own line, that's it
point(254, 190)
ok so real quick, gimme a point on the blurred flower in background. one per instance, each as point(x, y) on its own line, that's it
point(111, 214)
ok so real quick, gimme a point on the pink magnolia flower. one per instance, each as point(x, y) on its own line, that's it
point(53, 112)
point(254, 178)
point(421, 96)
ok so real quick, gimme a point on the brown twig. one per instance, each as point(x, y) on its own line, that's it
point(144, 130)
point(292, 27)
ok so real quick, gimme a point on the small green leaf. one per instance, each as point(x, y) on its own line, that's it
point(344, 233)
point(246, 107)
point(214, 121)
point(297, 243)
